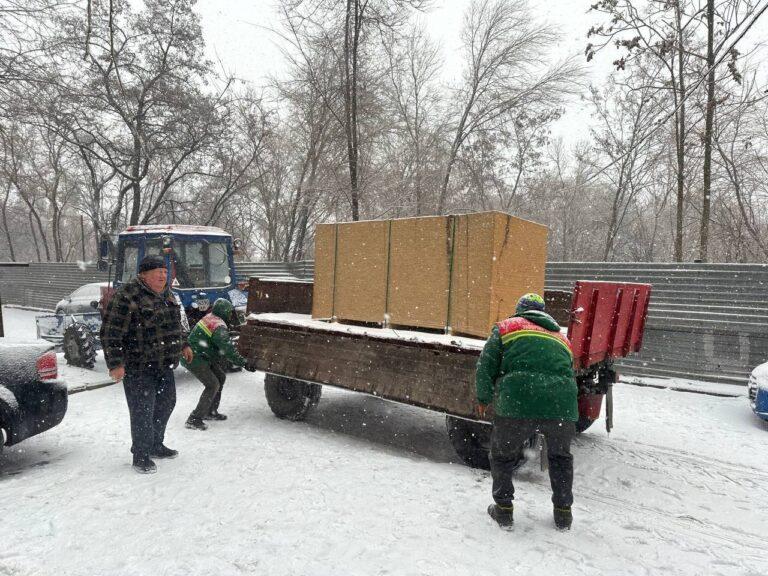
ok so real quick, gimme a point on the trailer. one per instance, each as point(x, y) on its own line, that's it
point(430, 370)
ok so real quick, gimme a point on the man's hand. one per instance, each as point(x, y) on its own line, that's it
point(187, 353)
point(481, 409)
point(118, 373)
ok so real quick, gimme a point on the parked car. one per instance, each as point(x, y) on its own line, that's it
point(32, 399)
point(758, 390)
point(80, 301)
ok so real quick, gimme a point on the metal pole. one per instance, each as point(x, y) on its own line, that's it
point(2, 333)
point(82, 234)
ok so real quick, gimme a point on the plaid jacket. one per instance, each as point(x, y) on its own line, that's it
point(141, 329)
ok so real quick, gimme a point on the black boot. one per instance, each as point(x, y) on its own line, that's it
point(162, 451)
point(194, 423)
point(563, 517)
point(143, 465)
point(215, 415)
point(502, 514)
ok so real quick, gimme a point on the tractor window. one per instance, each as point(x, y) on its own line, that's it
point(130, 262)
point(218, 264)
point(201, 263)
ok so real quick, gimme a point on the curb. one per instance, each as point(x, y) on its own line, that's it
point(682, 389)
point(87, 387)
point(28, 308)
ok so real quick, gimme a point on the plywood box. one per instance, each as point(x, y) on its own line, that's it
point(459, 273)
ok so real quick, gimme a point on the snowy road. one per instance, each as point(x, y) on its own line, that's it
point(371, 487)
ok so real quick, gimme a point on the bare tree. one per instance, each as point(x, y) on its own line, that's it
point(503, 49)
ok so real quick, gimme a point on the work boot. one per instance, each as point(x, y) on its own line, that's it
point(215, 415)
point(162, 451)
point(143, 465)
point(502, 514)
point(194, 423)
point(563, 517)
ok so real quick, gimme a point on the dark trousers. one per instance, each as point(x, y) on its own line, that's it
point(507, 439)
point(151, 396)
point(212, 376)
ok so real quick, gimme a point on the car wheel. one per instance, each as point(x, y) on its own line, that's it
point(79, 346)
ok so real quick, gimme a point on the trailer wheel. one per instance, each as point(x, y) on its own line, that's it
point(79, 346)
point(290, 399)
point(471, 440)
point(583, 423)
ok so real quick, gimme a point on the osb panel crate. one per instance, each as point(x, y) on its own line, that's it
point(459, 273)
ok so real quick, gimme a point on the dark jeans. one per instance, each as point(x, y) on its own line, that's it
point(151, 396)
point(212, 376)
point(507, 439)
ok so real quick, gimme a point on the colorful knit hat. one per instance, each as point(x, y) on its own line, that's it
point(528, 302)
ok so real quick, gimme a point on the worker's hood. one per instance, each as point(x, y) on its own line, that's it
point(541, 319)
point(223, 309)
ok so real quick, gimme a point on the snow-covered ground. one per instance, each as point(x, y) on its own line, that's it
point(366, 486)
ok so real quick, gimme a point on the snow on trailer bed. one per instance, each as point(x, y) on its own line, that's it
point(306, 321)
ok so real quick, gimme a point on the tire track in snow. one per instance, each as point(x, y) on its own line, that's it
point(668, 470)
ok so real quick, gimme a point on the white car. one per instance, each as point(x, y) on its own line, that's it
point(758, 390)
point(79, 302)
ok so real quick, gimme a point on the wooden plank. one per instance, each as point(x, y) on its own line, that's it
point(429, 375)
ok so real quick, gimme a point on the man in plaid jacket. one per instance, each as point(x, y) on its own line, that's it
point(143, 340)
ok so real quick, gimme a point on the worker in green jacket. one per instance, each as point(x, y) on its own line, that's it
point(212, 347)
point(526, 372)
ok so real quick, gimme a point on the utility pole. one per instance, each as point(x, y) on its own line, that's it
point(82, 235)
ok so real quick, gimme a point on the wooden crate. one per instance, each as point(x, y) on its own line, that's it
point(267, 295)
point(458, 273)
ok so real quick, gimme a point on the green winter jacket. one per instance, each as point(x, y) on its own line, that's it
point(210, 340)
point(526, 369)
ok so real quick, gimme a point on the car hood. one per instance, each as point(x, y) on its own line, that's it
point(18, 360)
point(760, 374)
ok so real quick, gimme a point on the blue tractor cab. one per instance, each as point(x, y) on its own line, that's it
point(200, 261)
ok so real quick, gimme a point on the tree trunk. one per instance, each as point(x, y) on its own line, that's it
point(710, 113)
point(5, 223)
point(680, 127)
point(34, 238)
point(351, 44)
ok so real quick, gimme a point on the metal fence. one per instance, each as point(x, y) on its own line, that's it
point(42, 285)
point(706, 321)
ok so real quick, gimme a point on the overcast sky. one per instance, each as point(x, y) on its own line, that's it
point(237, 34)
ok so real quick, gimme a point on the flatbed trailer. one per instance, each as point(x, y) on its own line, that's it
point(433, 371)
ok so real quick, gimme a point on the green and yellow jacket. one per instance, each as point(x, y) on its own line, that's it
point(210, 339)
point(526, 369)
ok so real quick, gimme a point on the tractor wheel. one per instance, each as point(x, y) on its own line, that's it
point(290, 399)
point(79, 346)
point(472, 442)
point(583, 423)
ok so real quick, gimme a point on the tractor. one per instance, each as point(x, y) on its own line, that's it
point(201, 268)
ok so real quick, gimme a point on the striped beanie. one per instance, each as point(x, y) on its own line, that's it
point(528, 302)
